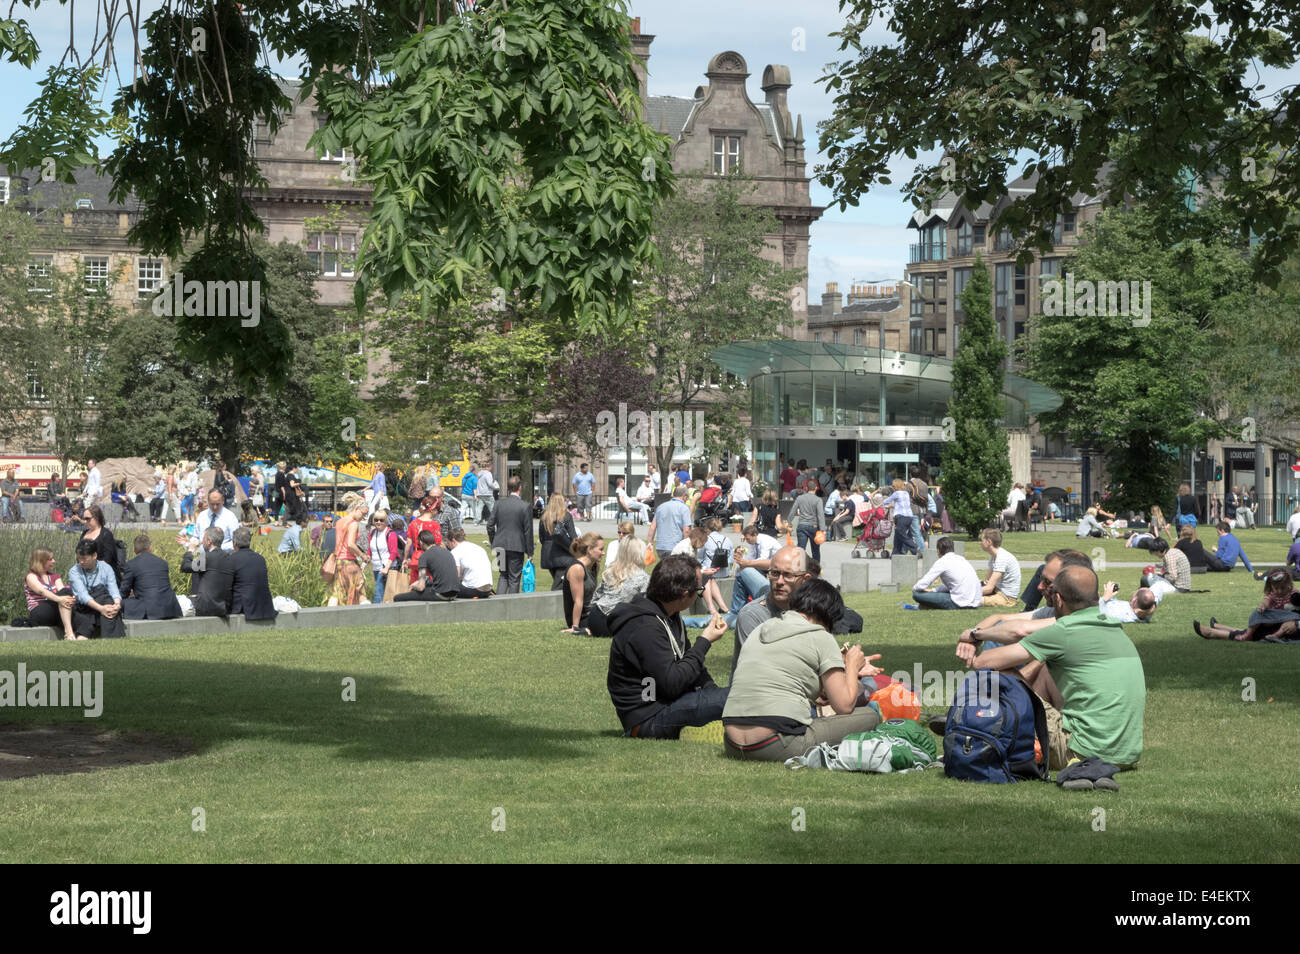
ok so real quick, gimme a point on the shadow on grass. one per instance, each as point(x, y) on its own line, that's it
point(208, 704)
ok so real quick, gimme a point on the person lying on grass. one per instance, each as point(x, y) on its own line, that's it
point(1098, 670)
point(1139, 609)
point(1275, 620)
point(657, 679)
point(788, 664)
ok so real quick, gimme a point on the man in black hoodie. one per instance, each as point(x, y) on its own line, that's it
point(657, 679)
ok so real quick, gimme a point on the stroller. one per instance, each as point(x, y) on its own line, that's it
point(712, 503)
point(877, 525)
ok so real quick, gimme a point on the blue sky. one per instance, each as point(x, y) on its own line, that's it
point(864, 243)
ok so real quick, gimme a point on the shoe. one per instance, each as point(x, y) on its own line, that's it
point(1106, 785)
point(712, 732)
point(937, 721)
point(1078, 785)
point(1213, 621)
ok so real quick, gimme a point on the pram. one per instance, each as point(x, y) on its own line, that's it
point(877, 525)
point(712, 503)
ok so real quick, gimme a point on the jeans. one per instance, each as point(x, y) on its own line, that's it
point(937, 600)
point(17, 508)
point(483, 507)
point(750, 584)
point(918, 535)
point(806, 534)
point(1032, 596)
point(698, 707)
point(380, 577)
point(903, 535)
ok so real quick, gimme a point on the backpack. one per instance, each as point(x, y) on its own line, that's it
point(994, 741)
point(918, 501)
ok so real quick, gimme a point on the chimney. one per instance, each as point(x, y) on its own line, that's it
point(860, 293)
point(831, 300)
point(776, 80)
point(641, 50)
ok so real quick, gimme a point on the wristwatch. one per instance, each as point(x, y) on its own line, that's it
point(972, 639)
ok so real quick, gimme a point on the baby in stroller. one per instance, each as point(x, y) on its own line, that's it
point(877, 526)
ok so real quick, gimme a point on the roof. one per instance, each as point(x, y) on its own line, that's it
point(748, 359)
point(33, 193)
point(949, 205)
point(671, 114)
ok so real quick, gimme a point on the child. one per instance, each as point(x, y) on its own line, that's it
point(1274, 621)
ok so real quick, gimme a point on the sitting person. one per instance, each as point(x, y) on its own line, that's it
point(788, 571)
point(752, 560)
point(623, 581)
point(716, 554)
point(960, 586)
point(1225, 555)
point(786, 666)
point(657, 679)
point(1097, 669)
point(1002, 588)
point(49, 602)
point(291, 541)
point(1089, 526)
point(579, 587)
point(1193, 548)
point(251, 586)
point(436, 575)
point(146, 585)
point(98, 607)
point(212, 577)
point(1275, 620)
point(118, 494)
point(473, 566)
point(1174, 576)
point(1053, 511)
point(1139, 609)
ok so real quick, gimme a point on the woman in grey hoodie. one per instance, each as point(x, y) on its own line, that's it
point(785, 666)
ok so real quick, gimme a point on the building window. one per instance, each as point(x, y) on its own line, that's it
point(148, 276)
point(342, 155)
point(1069, 222)
point(332, 254)
point(835, 337)
point(38, 273)
point(35, 390)
point(941, 291)
point(4, 190)
point(1020, 329)
point(917, 303)
point(915, 346)
point(1001, 291)
point(817, 336)
point(726, 155)
point(960, 276)
point(96, 272)
point(1020, 287)
point(943, 341)
point(857, 337)
point(964, 232)
point(929, 340)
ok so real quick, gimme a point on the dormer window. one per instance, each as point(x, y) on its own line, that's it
point(88, 204)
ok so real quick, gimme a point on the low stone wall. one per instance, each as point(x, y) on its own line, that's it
point(548, 605)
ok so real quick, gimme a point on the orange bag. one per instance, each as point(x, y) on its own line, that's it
point(819, 537)
point(897, 702)
point(649, 555)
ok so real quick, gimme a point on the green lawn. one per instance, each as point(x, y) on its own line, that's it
point(451, 723)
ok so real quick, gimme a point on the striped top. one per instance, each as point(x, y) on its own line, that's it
point(54, 582)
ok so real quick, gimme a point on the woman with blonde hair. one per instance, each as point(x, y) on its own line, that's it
point(49, 601)
point(901, 503)
point(279, 492)
point(624, 580)
point(349, 584)
point(580, 582)
point(556, 533)
point(626, 531)
point(189, 488)
point(172, 492)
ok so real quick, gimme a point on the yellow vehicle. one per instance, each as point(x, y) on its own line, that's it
point(449, 475)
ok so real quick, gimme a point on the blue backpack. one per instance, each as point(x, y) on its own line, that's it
point(991, 729)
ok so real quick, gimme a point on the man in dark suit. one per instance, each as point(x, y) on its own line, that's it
point(146, 587)
point(252, 590)
point(510, 528)
point(213, 575)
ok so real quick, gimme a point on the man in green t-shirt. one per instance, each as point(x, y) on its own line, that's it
point(1097, 669)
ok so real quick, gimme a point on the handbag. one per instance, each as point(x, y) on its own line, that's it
point(395, 584)
point(328, 569)
point(258, 500)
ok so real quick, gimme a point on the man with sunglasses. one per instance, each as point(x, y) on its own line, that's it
point(657, 678)
point(322, 537)
point(787, 572)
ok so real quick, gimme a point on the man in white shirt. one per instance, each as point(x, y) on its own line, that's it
point(638, 509)
point(646, 492)
point(1014, 499)
point(94, 485)
point(1293, 525)
point(1002, 588)
point(742, 493)
point(484, 495)
point(751, 571)
point(653, 477)
point(472, 565)
point(1139, 609)
point(961, 585)
point(219, 516)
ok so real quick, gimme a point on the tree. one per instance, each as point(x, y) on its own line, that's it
point(976, 463)
point(1134, 382)
point(17, 322)
point(711, 287)
point(1117, 99)
point(538, 95)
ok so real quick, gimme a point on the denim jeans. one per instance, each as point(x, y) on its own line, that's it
point(379, 586)
point(750, 584)
point(918, 535)
point(937, 600)
point(806, 534)
point(903, 542)
point(699, 707)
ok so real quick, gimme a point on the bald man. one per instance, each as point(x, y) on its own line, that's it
point(788, 571)
point(1097, 669)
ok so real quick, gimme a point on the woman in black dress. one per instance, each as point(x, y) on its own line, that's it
point(1194, 548)
point(105, 542)
point(279, 493)
point(580, 582)
point(556, 532)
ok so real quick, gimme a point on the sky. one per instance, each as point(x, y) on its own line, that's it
point(866, 243)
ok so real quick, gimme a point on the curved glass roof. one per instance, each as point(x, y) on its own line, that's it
point(746, 359)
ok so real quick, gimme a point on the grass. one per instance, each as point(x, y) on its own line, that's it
point(453, 722)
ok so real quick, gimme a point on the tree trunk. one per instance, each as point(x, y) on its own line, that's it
point(229, 412)
point(525, 474)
